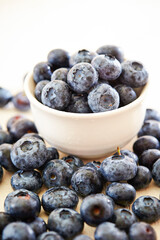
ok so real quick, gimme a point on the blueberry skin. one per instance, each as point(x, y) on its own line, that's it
point(144, 143)
point(96, 208)
point(67, 222)
point(115, 51)
point(38, 89)
point(126, 93)
point(5, 97)
point(38, 225)
point(112, 168)
point(59, 197)
point(156, 172)
point(152, 114)
point(58, 58)
point(18, 231)
point(57, 173)
point(109, 231)
point(56, 94)
point(150, 127)
point(36, 135)
point(86, 180)
point(21, 127)
point(130, 154)
point(149, 157)
point(124, 218)
point(5, 159)
point(1, 173)
point(133, 74)
point(5, 137)
point(122, 193)
point(78, 104)
point(21, 102)
point(22, 204)
point(51, 154)
point(82, 237)
point(107, 66)
point(51, 235)
point(141, 230)
point(60, 74)
point(73, 161)
point(12, 120)
point(81, 77)
point(42, 71)
point(103, 98)
point(5, 219)
point(81, 56)
point(142, 178)
point(147, 208)
point(28, 153)
point(30, 180)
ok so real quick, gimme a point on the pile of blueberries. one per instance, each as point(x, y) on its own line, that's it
point(86, 81)
point(119, 176)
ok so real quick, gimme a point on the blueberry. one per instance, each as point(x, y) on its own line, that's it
point(60, 74)
point(112, 50)
point(96, 208)
point(30, 180)
point(28, 153)
point(21, 102)
point(109, 231)
point(149, 157)
point(86, 180)
point(82, 237)
point(56, 94)
point(81, 56)
point(21, 127)
point(22, 204)
point(156, 172)
point(51, 235)
point(1, 173)
point(78, 104)
point(107, 66)
point(152, 114)
point(58, 58)
point(5, 219)
point(51, 154)
point(103, 98)
point(73, 161)
point(122, 193)
point(36, 135)
point(96, 165)
point(59, 197)
point(130, 154)
point(150, 127)
point(12, 120)
point(18, 231)
point(38, 89)
point(5, 137)
point(118, 168)
point(67, 222)
point(147, 208)
point(38, 225)
point(42, 71)
point(144, 143)
point(81, 77)
point(5, 159)
point(141, 230)
point(124, 218)
point(142, 178)
point(126, 94)
point(133, 74)
point(5, 97)
point(57, 173)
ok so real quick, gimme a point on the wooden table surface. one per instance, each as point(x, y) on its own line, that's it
point(5, 186)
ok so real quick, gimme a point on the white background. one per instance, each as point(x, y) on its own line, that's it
point(29, 29)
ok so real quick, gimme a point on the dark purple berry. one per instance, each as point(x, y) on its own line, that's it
point(81, 56)
point(58, 58)
point(60, 74)
point(5, 97)
point(21, 102)
point(42, 71)
point(38, 89)
point(112, 50)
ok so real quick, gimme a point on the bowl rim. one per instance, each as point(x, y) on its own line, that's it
point(59, 113)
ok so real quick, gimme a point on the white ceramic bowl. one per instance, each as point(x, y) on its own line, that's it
point(90, 135)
